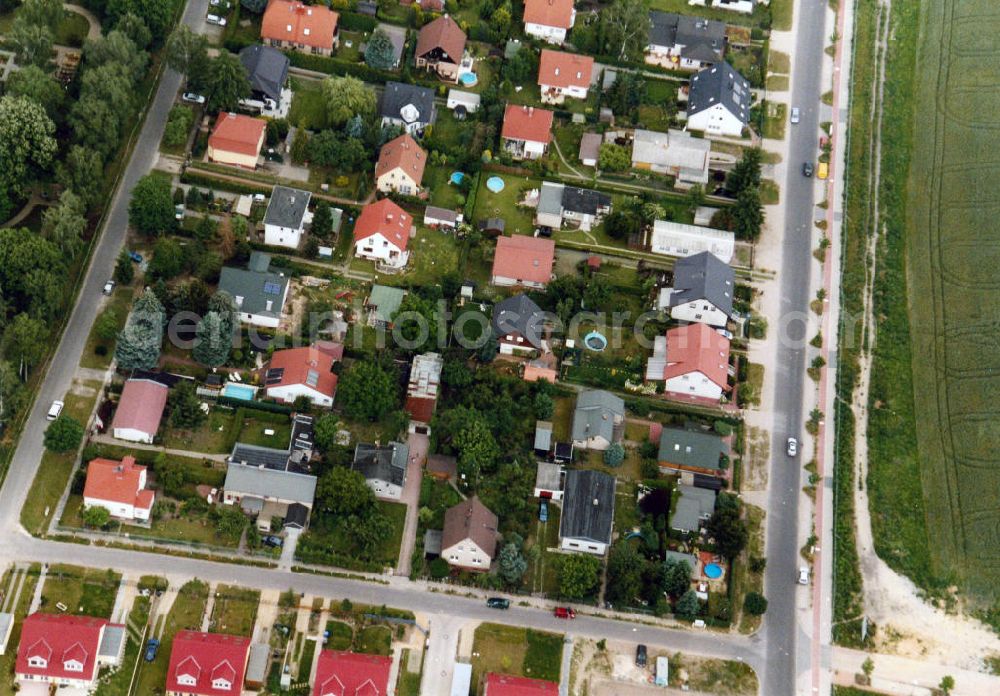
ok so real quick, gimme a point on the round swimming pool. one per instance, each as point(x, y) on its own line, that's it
point(595, 341)
point(495, 184)
point(713, 571)
point(468, 79)
point(457, 178)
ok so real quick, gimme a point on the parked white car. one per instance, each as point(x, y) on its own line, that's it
point(792, 447)
point(54, 410)
point(803, 576)
point(216, 20)
point(193, 98)
point(795, 114)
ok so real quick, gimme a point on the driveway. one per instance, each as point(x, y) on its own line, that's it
point(418, 444)
point(442, 644)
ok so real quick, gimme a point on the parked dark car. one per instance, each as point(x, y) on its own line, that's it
point(543, 512)
point(152, 645)
point(807, 169)
point(640, 655)
point(498, 603)
point(274, 542)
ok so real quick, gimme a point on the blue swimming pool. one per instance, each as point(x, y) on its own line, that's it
point(457, 178)
point(468, 79)
point(495, 184)
point(595, 341)
point(243, 392)
point(713, 571)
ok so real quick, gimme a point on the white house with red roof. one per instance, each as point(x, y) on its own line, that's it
point(562, 75)
point(523, 260)
point(237, 140)
point(66, 650)
point(300, 27)
point(119, 487)
point(382, 234)
point(549, 20)
point(691, 360)
point(139, 411)
point(507, 685)
point(304, 371)
point(526, 131)
point(400, 166)
point(340, 673)
point(207, 664)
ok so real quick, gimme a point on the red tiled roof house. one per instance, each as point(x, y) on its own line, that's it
point(506, 685)
point(469, 539)
point(549, 20)
point(207, 664)
point(237, 140)
point(562, 75)
point(304, 371)
point(66, 650)
point(382, 233)
point(440, 47)
point(526, 131)
point(139, 411)
point(340, 673)
point(691, 360)
point(400, 166)
point(119, 487)
point(299, 27)
point(523, 260)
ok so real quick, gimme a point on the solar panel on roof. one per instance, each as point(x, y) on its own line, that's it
point(272, 288)
point(312, 378)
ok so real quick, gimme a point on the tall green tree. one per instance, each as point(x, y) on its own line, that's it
point(156, 14)
point(579, 576)
point(140, 341)
point(38, 85)
point(342, 491)
point(379, 52)
point(688, 606)
point(185, 405)
point(29, 339)
point(64, 434)
point(346, 97)
point(367, 391)
point(227, 82)
point(43, 13)
point(748, 214)
point(186, 51)
point(124, 270)
point(64, 223)
point(676, 577)
point(746, 174)
point(151, 209)
point(322, 225)
point(624, 26)
point(222, 303)
point(212, 343)
point(27, 145)
point(116, 49)
point(11, 392)
point(168, 259)
point(32, 44)
point(727, 527)
point(511, 564)
point(133, 26)
point(81, 170)
point(625, 566)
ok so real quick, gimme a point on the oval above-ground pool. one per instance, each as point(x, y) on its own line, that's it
point(468, 79)
point(713, 571)
point(595, 341)
point(495, 184)
point(457, 178)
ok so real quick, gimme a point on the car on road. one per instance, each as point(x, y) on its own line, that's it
point(498, 603)
point(792, 447)
point(564, 613)
point(807, 169)
point(152, 645)
point(543, 512)
point(54, 410)
point(275, 542)
point(216, 20)
point(135, 256)
point(640, 655)
point(795, 114)
point(193, 98)
point(224, 4)
point(109, 287)
point(803, 576)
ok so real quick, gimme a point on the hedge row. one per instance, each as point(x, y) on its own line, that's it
point(268, 406)
point(352, 21)
point(199, 179)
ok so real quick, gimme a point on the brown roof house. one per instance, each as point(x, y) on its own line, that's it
point(469, 539)
point(440, 47)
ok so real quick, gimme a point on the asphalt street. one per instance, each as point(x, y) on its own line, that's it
point(784, 638)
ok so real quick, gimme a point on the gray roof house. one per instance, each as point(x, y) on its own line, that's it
point(383, 467)
point(549, 480)
point(519, 317)
point(286, 216)
point(267, 69)
point(588, 511)
point(259, 294)
point(382, 304)
point(697, 451)
point(675, 152)
point(266, 492)
point(703, 290)
point(558, 203)
point(598, 420)
point(543, 438)
point(694, 506)
point(408, 106)
point(719, 101)
point(693, 42)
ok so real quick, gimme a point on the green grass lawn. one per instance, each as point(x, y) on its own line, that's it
point(375, 640)
point(409, 682)
point(306, 660)
point(327, 542)
point(215, 435)
point(341, 635)
point(504, 204)
point(235, 610)
point(120, 681)
point(775, 121)
point(254, 423)
point(186, 613)
point(72, 31)
point(542, 574)
point(514, 650)
point(744, 580)
point(308, 109)
point(432, 255)
point(84, 591)
point(442, 192)
point(20, 611)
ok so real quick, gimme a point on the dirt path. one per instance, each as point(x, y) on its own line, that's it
point(908, 625)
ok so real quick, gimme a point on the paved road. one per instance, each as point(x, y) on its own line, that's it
point(786, 479)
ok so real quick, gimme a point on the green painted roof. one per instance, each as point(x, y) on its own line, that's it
point(386, 301)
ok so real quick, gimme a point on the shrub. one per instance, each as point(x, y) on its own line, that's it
point(755, 603)
point(439, 568)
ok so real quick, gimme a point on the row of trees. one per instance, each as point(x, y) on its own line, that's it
point(222, 80)
point(743, 183)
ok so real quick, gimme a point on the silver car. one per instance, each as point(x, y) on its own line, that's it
point(792, 447)
point(803, 576)
point(795, 115)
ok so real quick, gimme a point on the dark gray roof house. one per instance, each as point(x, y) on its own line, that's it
point(258, 293)
point(267, 69)
point(409, 106)
point(588, 507)
point(386, 463)
point(287, 207)
point(599, 415)
point(720, 84)
point(585, 201)
point(699, 39)
point(259, 457)
point(694, 506)
point(519, 314)
point(691, 450)
point(706, 277)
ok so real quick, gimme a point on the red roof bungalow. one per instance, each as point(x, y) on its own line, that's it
point(440, 47)
point(691, 360)
point(237, 140)
point(304, 372)
point(549, 20)
point(64, 650)
point(506, 685)
point(526, 131)
point(523, 260)
point(382, 234)
point(118, 487)
point(340, 673)
point(562, 75)
point(299, 27)
point(207, 664)
point(400, 166)
point(139, 411)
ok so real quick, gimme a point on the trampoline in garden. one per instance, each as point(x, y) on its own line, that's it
point(457, 178)
point(495, 184)
point(468, 79)
point(713, 571)
point(595, 341)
